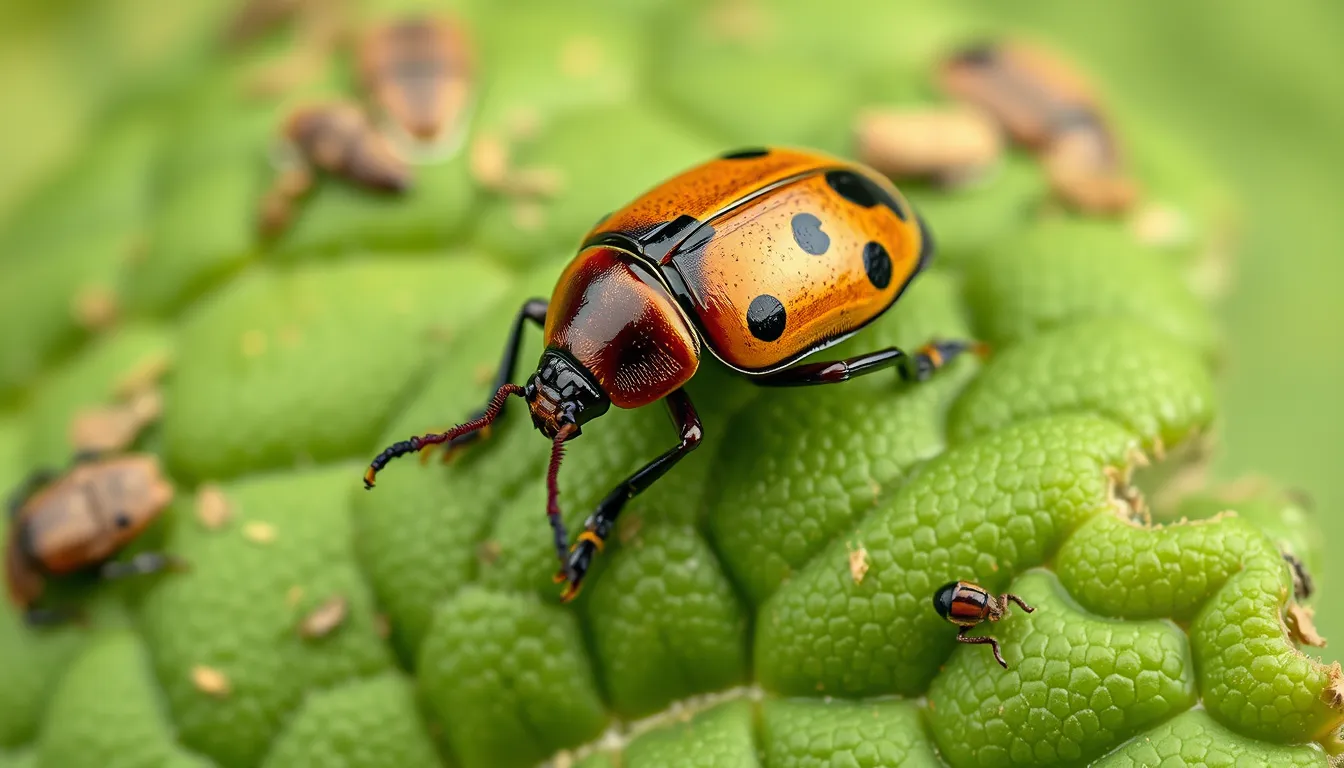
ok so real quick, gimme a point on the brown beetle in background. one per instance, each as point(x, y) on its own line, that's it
point(1045, 105)
point(64, 525)
point(334, 138)
point(418, 72)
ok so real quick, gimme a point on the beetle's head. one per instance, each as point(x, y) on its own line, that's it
point(562, 393)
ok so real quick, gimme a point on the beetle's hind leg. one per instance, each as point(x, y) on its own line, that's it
point(991, 642)
point(920, 366)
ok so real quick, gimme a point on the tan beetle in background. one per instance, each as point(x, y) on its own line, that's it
point(72, 524)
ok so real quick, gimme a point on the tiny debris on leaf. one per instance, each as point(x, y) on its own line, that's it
point(210, 681)
point(324, 619)
point(948, 145)
point(858, 563)
point(106, 429)
point(260, 533)
point(212, 507)
point(293, 595)
point(1301, 627)
point(143, 376)
point(381, 625)
point(488, 551)
point(95, 308)
point(1333, 695)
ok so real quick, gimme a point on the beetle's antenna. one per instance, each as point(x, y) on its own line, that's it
point(553, 491)
point(416, 443)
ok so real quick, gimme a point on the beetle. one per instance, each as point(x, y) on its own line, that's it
point(72, 523)
point(1045, 104)
point(762, 257)
point(967, 605)
point(418, 71)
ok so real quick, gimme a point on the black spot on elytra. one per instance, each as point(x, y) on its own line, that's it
point(877, 263)
point(122, 520)
point(766, 318)
point(862, 191)
point(746, 154)
point(807, 233)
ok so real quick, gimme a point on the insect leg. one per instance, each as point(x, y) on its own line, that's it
point(991, 642)
point(50, 617)
point(917, 367)
point(600, 524)
point(142, 564)
point(532, 309)
point(1006, 597)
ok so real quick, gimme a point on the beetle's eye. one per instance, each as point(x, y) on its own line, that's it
point(122, 520)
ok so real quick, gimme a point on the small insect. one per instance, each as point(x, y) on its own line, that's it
point(1303, 585)
point(1029, 91)
point(338, 139)
point(761, 257)
point(1045, 105)
point(966, 605)
point(948, 146)
point(418, 71)
point(63, 525)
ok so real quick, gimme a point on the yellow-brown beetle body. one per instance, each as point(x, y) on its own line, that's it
point(76, 522)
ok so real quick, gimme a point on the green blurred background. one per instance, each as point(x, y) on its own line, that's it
point(1259, 88)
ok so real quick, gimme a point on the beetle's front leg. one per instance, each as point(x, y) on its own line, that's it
point(603, 520)
point(52, 617)
point(533, 310)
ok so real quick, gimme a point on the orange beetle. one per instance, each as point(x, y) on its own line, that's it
point(966, 605)
point(75, 523)
point(762, 257)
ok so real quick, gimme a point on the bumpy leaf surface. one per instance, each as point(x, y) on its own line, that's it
point(768, 603)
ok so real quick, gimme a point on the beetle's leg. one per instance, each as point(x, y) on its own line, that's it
point(1004, 598)
point(991, 642)
point(600, 524)
point(52, 617)
point(532, 309)
point(35, 481)
point(917, 367)
point(142, 564)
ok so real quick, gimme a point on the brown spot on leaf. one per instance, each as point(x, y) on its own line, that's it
point(210, 681)
point(1301, 627)
point(212, 507)
point(858, 563)
point(325, 619)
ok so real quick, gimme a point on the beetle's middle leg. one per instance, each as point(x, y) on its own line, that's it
point(600, 524)
point(142, 564)
point(917, 367)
